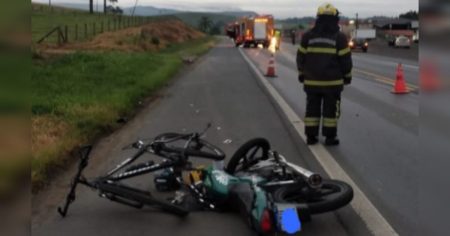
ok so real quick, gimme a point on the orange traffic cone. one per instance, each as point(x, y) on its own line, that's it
point(428, 77)
point(400, 85)
point(271, 68)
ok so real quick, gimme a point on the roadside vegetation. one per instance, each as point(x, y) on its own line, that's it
point(45, 18)
point(79, 91)
point(79, 97)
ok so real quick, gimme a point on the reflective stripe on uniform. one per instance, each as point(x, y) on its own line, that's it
point(312, 121)
point(328, 125)
point(349, 75)
point(330, 122)
point(302, 49)
point(324, 83)
point(322, 40)
point(321, 50)
point(344, 51)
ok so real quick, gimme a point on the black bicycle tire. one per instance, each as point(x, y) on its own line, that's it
point(170, 208)
point(234, 161)
point(342, 199)
point(143, 198)
point(170, 134)
point(219, 155)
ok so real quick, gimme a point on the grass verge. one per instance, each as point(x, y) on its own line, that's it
point(78, 97)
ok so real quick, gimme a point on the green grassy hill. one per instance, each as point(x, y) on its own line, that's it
point(193, 19)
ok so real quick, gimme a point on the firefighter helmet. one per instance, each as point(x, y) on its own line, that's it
point(327, 9)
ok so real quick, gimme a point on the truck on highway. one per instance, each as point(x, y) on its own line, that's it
point(367, 34)
point(251, 31)
point(232, 30)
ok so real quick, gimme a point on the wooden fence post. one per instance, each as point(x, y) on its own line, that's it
point(76, 32)
point(59, 35)
point(66, 34)
point(85, 30)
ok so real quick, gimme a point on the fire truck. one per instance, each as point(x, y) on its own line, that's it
point(251, 31)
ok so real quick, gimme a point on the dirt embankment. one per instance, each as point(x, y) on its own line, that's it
point(150, 37)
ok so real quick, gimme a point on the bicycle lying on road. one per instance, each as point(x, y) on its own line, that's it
point(271, 193)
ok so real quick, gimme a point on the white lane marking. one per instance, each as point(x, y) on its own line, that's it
point(373, 219)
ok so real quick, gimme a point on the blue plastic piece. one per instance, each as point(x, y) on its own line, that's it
point(290, 222)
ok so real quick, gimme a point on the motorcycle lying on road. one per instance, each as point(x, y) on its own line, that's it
point(272, 194)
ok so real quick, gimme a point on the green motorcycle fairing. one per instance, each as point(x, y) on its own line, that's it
point(217, 182)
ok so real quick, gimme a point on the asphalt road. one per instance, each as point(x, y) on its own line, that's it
point(221, 89)
point(378, 131)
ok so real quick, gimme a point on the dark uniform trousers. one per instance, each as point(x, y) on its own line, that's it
point(322, 108)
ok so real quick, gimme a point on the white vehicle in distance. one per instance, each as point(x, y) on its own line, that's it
point(402, 42)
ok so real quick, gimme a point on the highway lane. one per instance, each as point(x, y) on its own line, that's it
point(374, 67)
point(435, 139)
point(379, 134)
point(220, 89)
point(435, 162)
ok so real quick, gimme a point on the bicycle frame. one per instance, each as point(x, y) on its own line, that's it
point(113, 176)
point(175, 159)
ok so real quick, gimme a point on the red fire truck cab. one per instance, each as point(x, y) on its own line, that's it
point(251, 31)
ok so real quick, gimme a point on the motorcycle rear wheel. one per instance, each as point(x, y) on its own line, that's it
point(333, 195)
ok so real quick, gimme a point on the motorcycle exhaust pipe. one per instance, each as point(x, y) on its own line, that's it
point(313, 179)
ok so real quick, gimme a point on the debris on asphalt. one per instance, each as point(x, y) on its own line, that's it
point(188, 59)
point(227, 141)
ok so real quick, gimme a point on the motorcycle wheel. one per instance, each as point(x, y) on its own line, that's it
point(245, 156)
point(333, 195)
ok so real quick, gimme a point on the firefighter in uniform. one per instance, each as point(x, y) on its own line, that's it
point(324, 64)
point(278, 37)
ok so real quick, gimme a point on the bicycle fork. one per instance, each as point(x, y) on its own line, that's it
point(78, 178)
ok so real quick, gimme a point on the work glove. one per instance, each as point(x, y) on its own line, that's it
point(301, 78)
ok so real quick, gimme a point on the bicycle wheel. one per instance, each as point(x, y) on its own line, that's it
point(167, 136)
point(140, 197)
point(332, 195)
point(248, 154)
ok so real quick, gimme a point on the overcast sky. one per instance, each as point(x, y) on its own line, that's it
point(279, 8)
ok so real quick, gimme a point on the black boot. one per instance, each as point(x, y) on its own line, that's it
point(311, 140)
point(331, 141)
